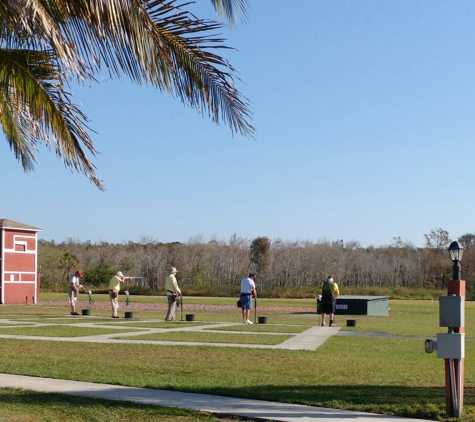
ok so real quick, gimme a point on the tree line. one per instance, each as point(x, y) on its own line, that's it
point(279, 264)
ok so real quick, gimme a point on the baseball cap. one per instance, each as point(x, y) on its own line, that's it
point(119, 273)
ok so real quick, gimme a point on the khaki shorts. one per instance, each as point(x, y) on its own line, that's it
point(73, 296)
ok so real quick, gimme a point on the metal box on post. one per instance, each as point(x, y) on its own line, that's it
point(451, 311)
point(451, 345)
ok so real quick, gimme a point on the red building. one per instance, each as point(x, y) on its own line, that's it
point(19, 278)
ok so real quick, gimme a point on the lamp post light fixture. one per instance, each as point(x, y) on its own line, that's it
point(456, 252)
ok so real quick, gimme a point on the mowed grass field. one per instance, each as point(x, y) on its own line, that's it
point(388, 375)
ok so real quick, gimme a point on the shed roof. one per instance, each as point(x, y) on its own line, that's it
point(10, 224)
point(355, 297)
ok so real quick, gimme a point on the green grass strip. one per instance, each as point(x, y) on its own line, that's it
point(263, 328)
point(70, 320)
point(202, 337)
point(59, 331)
point(159, 324)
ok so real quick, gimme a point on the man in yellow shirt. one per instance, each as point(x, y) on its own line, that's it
point(173, 292)
point(330, 292)
point(114, 288)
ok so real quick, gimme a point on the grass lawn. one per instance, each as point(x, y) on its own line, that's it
point(380, 375)
point(44, 319)
point(24, 405)
point(59, 331)
point(207, 337)
point(263, 328)
point(148, 324)
point(391, 376)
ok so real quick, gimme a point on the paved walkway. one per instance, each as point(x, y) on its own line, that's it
point(255, 409)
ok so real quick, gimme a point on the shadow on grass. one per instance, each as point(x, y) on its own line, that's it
point(307, 313)
point(357, 394)
point(20, 404)
point(414, 402)
point(17, 396)
point(423, 403)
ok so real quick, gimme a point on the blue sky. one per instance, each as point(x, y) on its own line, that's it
point(364, 112)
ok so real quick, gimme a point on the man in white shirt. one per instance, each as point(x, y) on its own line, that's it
point(248, 291)
point(74, 286)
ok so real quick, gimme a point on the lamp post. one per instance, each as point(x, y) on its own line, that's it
point(456, 252)
point(454, 359)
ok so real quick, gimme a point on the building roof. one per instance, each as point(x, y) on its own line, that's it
point(367, 298)
point(10, 224)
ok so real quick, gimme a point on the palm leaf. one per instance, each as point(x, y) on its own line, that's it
point(48, 42)
point(231, 9)
point(154, 41)
point(36, 109)
point(198, 78)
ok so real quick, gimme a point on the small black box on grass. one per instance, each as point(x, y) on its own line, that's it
point(129, 314)
point(262, 320)
point(190, 317)
point(351, 322)
point(86, 312)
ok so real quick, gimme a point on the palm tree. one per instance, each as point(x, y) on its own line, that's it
point(45, 45)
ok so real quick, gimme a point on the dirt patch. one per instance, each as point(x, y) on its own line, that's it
point(137, 306)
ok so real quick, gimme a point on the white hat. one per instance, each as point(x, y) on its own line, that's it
point(172, 270)
point(119, 273)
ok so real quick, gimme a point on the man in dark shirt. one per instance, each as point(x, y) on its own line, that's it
point(330, 292)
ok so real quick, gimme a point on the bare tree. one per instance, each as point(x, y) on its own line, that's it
point(437, 239)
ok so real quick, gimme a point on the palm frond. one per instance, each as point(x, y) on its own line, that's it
point(201, 78)
point(231, 10)
point(150, 41)
point(35, 108)
point(46, 43)
point(30, 24)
